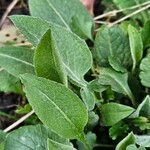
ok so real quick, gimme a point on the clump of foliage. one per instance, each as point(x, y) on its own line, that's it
point(85, 97)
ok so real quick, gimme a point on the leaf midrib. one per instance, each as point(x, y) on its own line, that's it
point(78, 80)
point(14, 58)
point(59, 109)
point(58, 14)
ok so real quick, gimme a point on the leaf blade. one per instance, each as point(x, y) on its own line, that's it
point(47, 60)
point(49, 97)
point(75, 66)
point(57, 11)
point(19, 57)
point(113, 113)
point(136, 45)
point(32, 137)
point(117, 81)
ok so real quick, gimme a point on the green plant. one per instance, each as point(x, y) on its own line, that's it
point(73, 89)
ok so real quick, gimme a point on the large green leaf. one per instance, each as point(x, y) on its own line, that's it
point(9, 83)
point(117, 81)
point(129, 139)
point(122, 4)
point(67, 13)
point(32, 137)
point(16, 60)
point(136, 45)
point(47, 60)
point(76, 56)
point(145, 34)
point(65, 112)
point(112, 113)
point(145, 71)
point(54, 145)
point(112, 42)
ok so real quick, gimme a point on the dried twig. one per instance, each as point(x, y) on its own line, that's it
point(22, 119)
point(130, 15)
point(8, 10)
point(101, 22)
point(114, 12)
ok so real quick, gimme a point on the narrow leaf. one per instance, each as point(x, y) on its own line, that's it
point(145, 34)
point(113, 113)
point(47, 60)
point(65, 113)
point(145, 71)
point(136, 45)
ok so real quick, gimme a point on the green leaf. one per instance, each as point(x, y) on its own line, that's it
point(116, 65)
point(91, 139)
point(95, 85)
point(132, 147)
point(93, 120)
point(32, 28)
point(2, 139)
point(65, 113)
point(145, 71)
point(117, 81)
point(145, 34)
point(32, 137)
point(143, 140)
point(129, 139)
point(62, 13)
point(117, 130)
point(80, 26)
point(141, 148)
point(54, 145)
point(112, 42)
point(76, 56)
point(24, 110)
point(16, 60)
point(112, 113)
point(47, 60)
point(136, 45)
point(143, 109)
point(9, 83)
point(2, 136)
point(88, 98)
